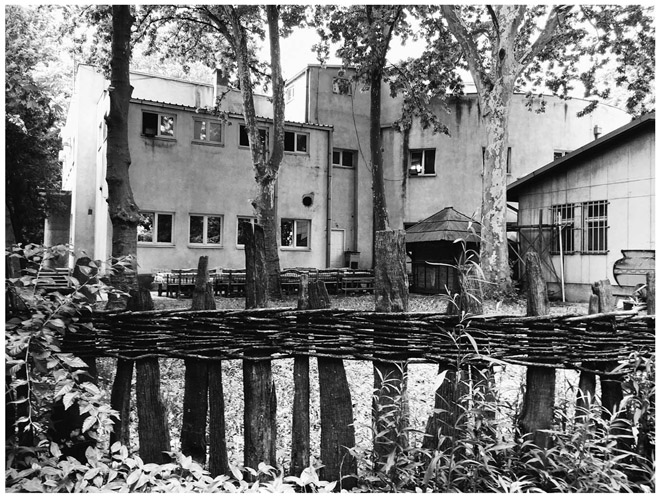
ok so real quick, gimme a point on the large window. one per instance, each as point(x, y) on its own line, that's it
point(343, 157)
point(295, 233)
point(156, 124)
point(245, 142)
point(595, 227)
point(205, 229)
point(296, 142)
point(155, 228)
point(240, 228)
point(563, 221)
point(207, 131)
point(422, 162)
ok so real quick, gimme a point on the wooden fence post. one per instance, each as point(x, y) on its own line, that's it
point(336, 410)
point(537, 412)
point(196, 378)
point(587, 382)
point(651, 293)
point(391, 294)
point(300, 439)
point(259, 423)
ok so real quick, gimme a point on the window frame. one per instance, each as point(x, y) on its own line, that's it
point(342, 153)
point(156, 243)
point(158, 134)
point(592, 223)
point(296, 135)
point(253, 221)
point(422, 172)
point(205, 230)
point(295, 222)
point(201, 141)
point(290, 93)
point(508, 159)
point(261, 129)
point(568, 221)
point(346, 85)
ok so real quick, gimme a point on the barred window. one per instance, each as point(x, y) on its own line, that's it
point(563, 222)
point(595, 227)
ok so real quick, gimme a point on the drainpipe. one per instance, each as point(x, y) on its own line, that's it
point(329, 178)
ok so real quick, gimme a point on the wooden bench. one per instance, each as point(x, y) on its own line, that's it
point(357, 281)
point(229, 283)
point(178, 282)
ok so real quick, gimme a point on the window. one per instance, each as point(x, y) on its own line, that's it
point(346, 158)
point(205, 229)
point(240, 232)
point(157, 125)
point(295, 233)
point(421, 162)
point(557, 154)
point(207, 131)
point(563, 220)
point(342, 86)
point(508, 164)
point(595, 227)
point(155, 228)
point(296, 142)
point(289, 93)
point(245, 142)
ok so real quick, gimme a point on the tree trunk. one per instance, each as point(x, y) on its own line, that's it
point(537, 411)
point(259, 424)
point(196, 378)
point(153, 431)
point(300, 440)
point(378, 183)
point(389, 405)
point(336, 410)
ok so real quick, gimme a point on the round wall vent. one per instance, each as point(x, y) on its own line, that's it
point(308, 199)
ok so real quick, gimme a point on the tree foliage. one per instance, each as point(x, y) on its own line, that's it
point(32, 119)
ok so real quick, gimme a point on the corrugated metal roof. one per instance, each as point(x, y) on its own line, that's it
point(448, 224)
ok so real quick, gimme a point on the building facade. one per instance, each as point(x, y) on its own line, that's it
point(192, 176)
point(589, 206)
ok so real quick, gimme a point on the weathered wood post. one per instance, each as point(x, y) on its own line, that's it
point(259, 423)
point(587, 382)
point(391, 294)
point(196, 378)
point(651, 293)
point(336, 411)
point(300, 439)
point(537, 412)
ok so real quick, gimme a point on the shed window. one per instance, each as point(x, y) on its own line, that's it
point(346, 158)
point(207, 131)
point(296, 142)
point(422, 162)
point(245, 142)
point(205, 229)
point(563, 221)
point(155, 124)
point(595, 227)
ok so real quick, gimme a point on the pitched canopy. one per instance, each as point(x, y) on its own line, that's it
point(446, 225)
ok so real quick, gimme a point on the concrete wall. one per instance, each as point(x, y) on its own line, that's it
point(622, 174)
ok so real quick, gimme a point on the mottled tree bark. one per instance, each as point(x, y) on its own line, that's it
point(153, 430)
point(218, 460)
point(537, 412)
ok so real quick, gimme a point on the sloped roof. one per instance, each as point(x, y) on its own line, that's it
point(622, 133)
point(448, 225)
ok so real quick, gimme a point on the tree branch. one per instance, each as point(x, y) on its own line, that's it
point(546, 35)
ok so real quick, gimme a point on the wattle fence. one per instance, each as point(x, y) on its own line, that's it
point(259, 334)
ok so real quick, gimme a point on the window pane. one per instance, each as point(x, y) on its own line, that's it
point(214, 132)
point(149, 123)
point(146, 227)
point(264, 137)
point(289, 141)
point(167, 126)
point(199, 130)
point(287, 233)
point(241, 230)
point(243, 136)
point(430, 157)
point(164, 228)
point(302, 233)
point(336, 157)
point(301, 143)
point(213, 229)
point(196, 230)
point(347, 158)
point(416, 162)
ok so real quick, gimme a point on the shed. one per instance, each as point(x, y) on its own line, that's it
point(436, 240)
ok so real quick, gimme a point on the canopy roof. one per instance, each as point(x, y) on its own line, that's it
point(446, 225)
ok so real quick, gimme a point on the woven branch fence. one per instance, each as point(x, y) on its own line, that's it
point(553, 341)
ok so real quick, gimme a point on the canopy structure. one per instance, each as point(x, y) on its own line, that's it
point(447, 225)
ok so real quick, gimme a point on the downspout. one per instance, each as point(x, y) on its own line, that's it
point(355, 207)
point(329, 190)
